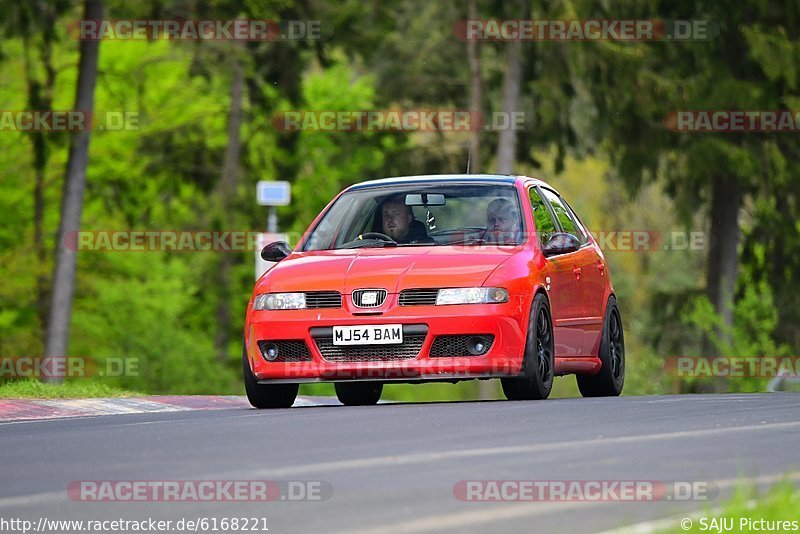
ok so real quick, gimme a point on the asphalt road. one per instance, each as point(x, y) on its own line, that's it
point(393, 467)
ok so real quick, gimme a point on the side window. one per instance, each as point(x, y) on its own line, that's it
point(568, 223)
point(582, 231)
point(541, 215)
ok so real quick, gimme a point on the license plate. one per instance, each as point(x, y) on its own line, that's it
point(384, 334)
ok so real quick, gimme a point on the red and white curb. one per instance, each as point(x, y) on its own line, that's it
point(12, 410)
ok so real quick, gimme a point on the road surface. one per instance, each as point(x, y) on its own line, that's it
point(393, 467)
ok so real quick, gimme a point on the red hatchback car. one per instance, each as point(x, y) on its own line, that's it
point(435, 278)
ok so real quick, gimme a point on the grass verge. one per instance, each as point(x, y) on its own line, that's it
point(33, 389)
point(777, 510)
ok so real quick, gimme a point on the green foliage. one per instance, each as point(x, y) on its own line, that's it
point(33, 389)
point(330, 161)
point(780, 503)
point(755, 319)
point(595, 115)
point(116, 318)
point(644, 374)
point(752, 334)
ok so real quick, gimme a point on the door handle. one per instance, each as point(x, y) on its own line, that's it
point(577, 271)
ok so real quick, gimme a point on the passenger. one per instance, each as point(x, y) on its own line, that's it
point(502, 222)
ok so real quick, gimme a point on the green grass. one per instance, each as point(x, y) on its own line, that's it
point(33, 389)
point(434, 391)
point(780, 503)
point(564, 387)
point(408, 392)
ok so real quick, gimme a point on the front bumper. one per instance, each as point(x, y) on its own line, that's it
point(505, 323)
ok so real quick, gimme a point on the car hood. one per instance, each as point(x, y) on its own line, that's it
point(393, 269)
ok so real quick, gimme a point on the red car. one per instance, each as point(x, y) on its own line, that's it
point(435, 278)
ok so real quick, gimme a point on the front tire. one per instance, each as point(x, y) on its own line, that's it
point(266, 395)
point(536, 380)
point(609, 381)
point(358, 393)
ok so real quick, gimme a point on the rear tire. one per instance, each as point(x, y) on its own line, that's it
point(358, 393)
point(536, 380)
point(609, 381)
point(266, 395)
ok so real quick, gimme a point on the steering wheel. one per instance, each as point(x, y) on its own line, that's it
point(376, 235)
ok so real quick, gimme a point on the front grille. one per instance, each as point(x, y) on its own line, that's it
point(408, 349)
point(288, 350)
point(323, 299)
point(360, 301)
point(418, 297)
point(456, 346)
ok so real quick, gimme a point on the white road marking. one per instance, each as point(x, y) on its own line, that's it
point(438, 523)
point(449, 521)
point(658, 525)
point(112, 406)
point(36, 498)
point(60, 409)
point(432, 457)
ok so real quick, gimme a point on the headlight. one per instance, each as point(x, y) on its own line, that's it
point(280, 301)
point(471, 295)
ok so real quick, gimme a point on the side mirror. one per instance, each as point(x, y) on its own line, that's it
point(561, 243)
point(275, 251)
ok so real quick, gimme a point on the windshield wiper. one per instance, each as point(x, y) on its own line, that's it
point(367, 243)
point(468, 242)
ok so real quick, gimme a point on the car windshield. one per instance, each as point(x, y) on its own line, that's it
point(420, 215)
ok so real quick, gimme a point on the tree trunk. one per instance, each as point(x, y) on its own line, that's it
point(487, 389)
point(40, 98)
point(475, 95)
point(72, 202)
point(229, 182)
point(507, 144)
point(726, 201)
point(512, 85)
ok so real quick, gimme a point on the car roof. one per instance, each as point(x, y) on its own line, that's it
point(440, 178)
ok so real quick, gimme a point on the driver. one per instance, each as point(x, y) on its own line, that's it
point(397, 217)
point(502, 222)
point(398, 222)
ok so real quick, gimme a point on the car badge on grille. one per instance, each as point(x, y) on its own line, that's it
point(369, 298)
